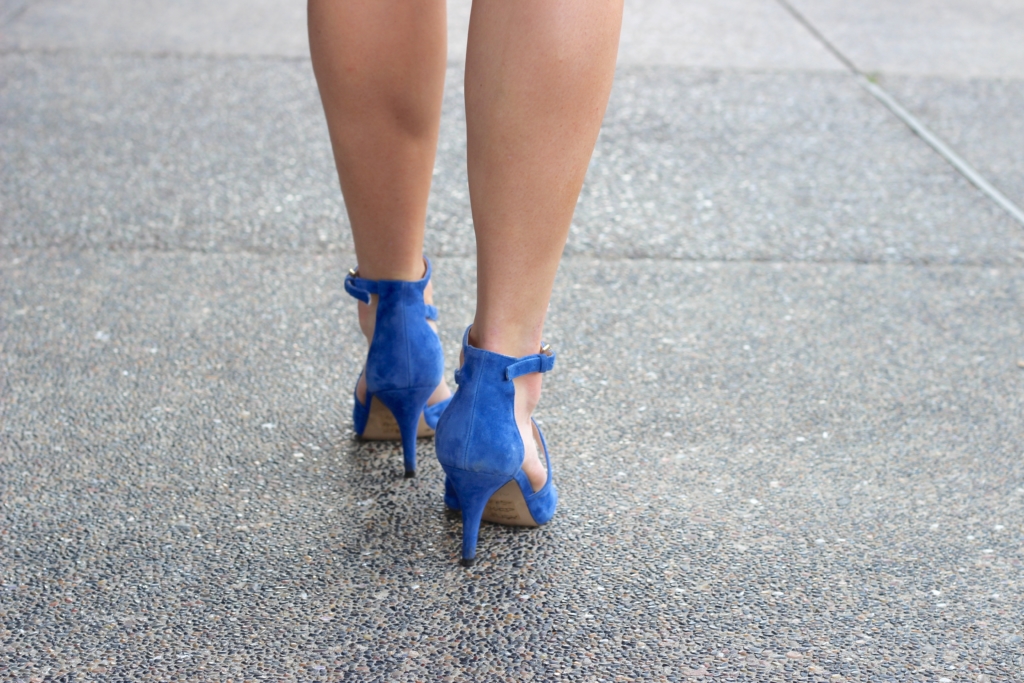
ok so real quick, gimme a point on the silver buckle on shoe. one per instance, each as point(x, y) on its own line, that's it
point(546, 349)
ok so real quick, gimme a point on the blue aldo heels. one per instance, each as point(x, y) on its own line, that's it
point(404, 365)
point(481, 450)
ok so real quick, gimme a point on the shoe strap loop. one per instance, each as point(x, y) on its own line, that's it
point(360, 288)
point(538, 362)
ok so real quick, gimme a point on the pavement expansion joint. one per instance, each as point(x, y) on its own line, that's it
point(912, 122)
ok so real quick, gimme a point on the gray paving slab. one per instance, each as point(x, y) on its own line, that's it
point(977, 38)
point(458, 29)
point(232, 154)
point(11, 10)
point(979, 117)
point(736, 34)
point(754, 34)
point(793, 166)
point(786, 418)
point(166, 152)
point(921, 37)
point(768, 472)
point(259, 27)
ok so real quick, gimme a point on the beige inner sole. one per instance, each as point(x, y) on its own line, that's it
point(507, 506)
point(382, 426)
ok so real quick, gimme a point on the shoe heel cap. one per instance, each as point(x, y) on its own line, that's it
point(467, 562)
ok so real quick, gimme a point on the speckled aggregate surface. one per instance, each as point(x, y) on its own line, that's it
point(766, 471)
point(787, 419)
point(254, 27)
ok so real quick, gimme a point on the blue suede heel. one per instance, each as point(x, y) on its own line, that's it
point(481, 450)
point(405, 362)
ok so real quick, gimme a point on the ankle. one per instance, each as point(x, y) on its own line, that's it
point(368, 312)
point(407, 270)
point(505, 340)
point(528, 391)
point(367, 317)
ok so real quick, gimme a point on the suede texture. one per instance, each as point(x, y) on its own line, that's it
point(405, 362)
point(431, 414)
point(478, 432)
point(541, 503)
point(361, 412)
point(478, 442)
point(474, 490)
point(405, 351)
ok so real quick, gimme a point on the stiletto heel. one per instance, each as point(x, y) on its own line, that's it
point(404, 365)
point(480, 448)
point(474, 490)
point(406, 405)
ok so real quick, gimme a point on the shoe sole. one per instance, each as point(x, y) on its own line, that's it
point(507, 506)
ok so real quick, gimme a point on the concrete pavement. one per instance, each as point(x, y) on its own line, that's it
point(786, 420)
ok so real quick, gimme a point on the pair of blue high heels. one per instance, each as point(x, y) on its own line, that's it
point(477, 440)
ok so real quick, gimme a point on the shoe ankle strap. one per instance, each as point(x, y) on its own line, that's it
point(358, 287)
point(538, 362)
point(361, 288)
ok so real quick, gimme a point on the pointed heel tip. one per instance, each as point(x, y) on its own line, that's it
point(467, 562)
point(409, 474)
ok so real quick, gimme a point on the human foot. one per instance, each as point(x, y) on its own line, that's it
point(528, 389)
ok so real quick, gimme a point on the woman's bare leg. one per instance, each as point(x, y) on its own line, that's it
point(380, 66)
point(538, 77)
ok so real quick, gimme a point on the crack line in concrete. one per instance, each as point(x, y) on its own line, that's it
point(11, 13)
point(911, 121)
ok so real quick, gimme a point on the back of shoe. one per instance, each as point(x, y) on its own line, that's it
point(478, 432)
